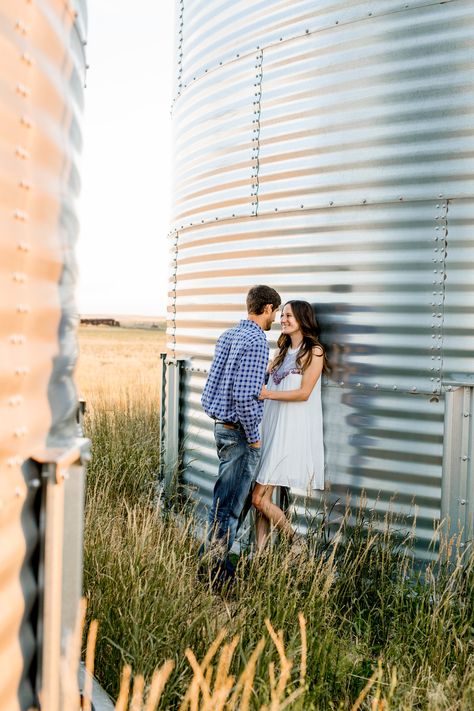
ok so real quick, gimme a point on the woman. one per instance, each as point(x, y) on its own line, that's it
point(292, 428)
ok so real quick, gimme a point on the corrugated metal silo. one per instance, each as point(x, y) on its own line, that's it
point(326, 149)
point(41, 477)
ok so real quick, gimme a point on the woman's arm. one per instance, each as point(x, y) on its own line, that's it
point(310, 377)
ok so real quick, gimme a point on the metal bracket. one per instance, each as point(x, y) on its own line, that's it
point(170, 418)
point(56, 460)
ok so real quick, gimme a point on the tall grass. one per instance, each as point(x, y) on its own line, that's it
point(381, 633)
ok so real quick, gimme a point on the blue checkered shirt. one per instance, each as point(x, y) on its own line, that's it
point(236, 378)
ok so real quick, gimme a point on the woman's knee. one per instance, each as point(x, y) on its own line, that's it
point(257, 499)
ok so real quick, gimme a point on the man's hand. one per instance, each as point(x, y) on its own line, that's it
point(256, 445)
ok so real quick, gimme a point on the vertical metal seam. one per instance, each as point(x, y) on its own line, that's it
point(175, 283)
point(258, 113)
point(465, 460)
point(180, 46)
point(443, 244)
point(164, 377)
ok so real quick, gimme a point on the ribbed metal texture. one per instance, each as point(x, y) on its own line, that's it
point(41, 96)
point(326, 149)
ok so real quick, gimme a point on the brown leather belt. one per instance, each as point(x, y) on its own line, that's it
point(230, 425)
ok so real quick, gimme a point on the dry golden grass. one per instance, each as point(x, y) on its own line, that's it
point(212, 687)
point(117, 362)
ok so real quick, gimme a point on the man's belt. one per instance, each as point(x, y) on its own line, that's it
point(230, 425)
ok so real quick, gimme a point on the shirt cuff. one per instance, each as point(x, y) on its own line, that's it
point(253, 437)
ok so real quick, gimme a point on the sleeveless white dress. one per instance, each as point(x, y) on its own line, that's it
point(292, 434)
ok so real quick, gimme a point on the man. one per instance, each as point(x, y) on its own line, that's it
point(230, 397)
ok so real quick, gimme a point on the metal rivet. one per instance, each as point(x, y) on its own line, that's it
point(22, 90)
point(21, 153)
point(20, 431)
point(21, 27)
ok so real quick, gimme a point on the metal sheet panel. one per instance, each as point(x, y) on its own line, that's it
point(382, 448)
point(215, 149)
point(458, 322)
point(372, 111)
point(368, 269)
point(363, 132)
point(41, 97)
point(215, 32)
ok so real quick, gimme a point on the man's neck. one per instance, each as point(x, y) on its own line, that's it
point(259, 319)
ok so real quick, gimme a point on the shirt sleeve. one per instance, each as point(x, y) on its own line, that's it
point(248, 383)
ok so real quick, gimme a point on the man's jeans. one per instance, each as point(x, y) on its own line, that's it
point(237, 467)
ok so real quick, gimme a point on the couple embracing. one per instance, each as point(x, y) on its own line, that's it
point(289, 451)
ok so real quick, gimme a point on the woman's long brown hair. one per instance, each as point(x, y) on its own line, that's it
point(306, 319)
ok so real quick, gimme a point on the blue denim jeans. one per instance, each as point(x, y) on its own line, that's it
point(237, 467)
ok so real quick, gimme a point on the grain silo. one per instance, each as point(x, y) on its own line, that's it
point(41, 471)
point(326, 149)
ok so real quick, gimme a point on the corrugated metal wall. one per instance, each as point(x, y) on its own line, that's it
point(328, 152)
point(41, 97)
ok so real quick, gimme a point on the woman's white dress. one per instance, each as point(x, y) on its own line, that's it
point(292, 434)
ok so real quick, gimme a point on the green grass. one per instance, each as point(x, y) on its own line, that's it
point(362, 597)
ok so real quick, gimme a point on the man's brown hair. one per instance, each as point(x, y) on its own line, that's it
point(261, 295)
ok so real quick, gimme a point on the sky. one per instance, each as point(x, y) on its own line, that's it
point(124, 207)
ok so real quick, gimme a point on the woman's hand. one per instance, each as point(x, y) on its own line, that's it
point(263, 393)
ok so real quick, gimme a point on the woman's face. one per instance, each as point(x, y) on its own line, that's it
point(289, 324)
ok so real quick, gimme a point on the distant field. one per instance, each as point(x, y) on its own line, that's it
point(115, 361)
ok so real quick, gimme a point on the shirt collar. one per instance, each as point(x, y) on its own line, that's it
point(246, 322)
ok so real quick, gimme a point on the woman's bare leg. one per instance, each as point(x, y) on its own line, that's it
point(262, 500)
point(262, 530)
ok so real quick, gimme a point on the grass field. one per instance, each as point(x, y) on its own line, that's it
point(114, 361)
point(379, 633)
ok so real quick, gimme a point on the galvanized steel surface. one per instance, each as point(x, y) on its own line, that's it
point(41, 97)
point(328, 152)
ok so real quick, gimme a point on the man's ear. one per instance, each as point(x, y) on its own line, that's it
point(268, 309)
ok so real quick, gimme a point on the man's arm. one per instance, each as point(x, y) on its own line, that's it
point(247, 386)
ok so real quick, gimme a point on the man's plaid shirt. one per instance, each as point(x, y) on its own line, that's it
point(236, 378)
